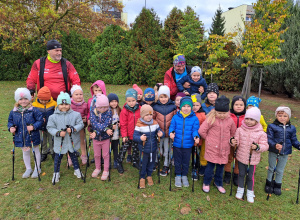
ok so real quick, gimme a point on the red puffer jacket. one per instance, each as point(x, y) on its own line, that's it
point(237, 119)
point(128, 120)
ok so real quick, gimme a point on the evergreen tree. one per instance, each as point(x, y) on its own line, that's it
point(217, 26)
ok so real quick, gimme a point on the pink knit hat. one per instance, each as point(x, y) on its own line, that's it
point(253, 113)
point(138, 89)
point(102, 101)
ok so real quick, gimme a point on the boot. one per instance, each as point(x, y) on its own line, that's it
point(43, 157)
point(55, 177)
point(120, 168)
point(250, 196)
point(269, 187)
point(136, 165)
point(227, 177)
point(239, 193)
point(142, 183)
point(235, 179)
point(277, 188)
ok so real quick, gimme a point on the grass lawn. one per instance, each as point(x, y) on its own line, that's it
point(120, 198)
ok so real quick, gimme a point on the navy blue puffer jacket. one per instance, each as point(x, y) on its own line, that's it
point(194, 88)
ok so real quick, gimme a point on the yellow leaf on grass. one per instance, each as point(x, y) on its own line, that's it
point(43, 174)
point(6, 194)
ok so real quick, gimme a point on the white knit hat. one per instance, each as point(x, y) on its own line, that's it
point(164, 90)
point(22, 93)
point(74, 88)
point(284, 109)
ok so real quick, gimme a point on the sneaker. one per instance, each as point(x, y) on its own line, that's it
point(142, 183)
point(95, 173)
point(164, 171)
point(194, 175)
point(185, 181)
point(220, 188)
point(104, 175)
point(150, 180)
point(55, 177)
point(227, 177)
point(235, 179)
point(27, 173)
point(205, 188)
point(129, 159)
point(35, 174)
point(250, 196)
point(201, 170)
point(239, 193)
point(83, 159)
point(43, 157)
point(178, 181)
point(78, 173)
point(120, 168)
point(136, 165)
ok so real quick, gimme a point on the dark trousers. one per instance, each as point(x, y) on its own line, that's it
point(148, 164)
point(242, 173)
point(57, 161)
point(209, 173)
point(115, 148)
point(182, 160)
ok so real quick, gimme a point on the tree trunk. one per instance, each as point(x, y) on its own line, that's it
point(247, 84)
point(260, 82)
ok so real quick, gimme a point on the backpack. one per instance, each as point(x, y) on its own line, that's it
point(63, 67)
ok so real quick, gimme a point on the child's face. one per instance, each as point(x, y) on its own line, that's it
point(113, 104)
point(139, 97)
point(43, 102)
point(212, 97)
point(163, 99)
point(77, 95)
point(23, 102)
point(148, 117)
point(177, 101)
point(196, 106)
point(186, 109)
point(102, 109)
point(195, 76)
point(238, 106)
point(282, 117)
point(64, 107)
point(250, 122)
point(97, 90)
point(131, 101)
point(149, 102)
point(221, 115)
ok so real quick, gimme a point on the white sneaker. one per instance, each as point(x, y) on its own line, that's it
point(35, 174)
point(78, 173)
point(27, 173)
point(250, 196)
point(55, 177)
point(239, 193)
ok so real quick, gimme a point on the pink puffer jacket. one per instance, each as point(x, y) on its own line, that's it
point(246, 136)
point(217, 137)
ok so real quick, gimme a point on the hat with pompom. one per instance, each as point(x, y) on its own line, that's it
point(22, 93)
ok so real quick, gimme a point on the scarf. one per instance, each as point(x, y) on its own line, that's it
point(77, 103)
point(184, 115)
point(147, 122)
point(133, 109)
point(23, 109)
point(50, 59)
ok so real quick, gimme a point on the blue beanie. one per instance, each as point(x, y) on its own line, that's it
point(186, 101)
point(63, 98)
point(149, 94)
point(112, 96)
point(254, 101)
point(131, 93)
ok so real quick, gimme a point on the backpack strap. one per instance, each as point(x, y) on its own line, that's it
point(42, 68)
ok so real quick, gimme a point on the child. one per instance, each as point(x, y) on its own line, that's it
point(22, 121)
point(101, 118)
point(45, 104)
point(63, 121)
point(149, 97)
point(196, 98)
point(197, 83)
point(116, 110)
point(164, 110)
point(128, 119)
point(253, 101)
point(156, 88)
point(212, 95)
point(184, 132)
point(237, 113)
point(281, 137)
point(217, 129)
point(140, 93)
point(145, 133)
point(79, 105)
point(249, 138)
point(178, 96)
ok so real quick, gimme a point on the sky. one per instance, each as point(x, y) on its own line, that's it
point(205, 9)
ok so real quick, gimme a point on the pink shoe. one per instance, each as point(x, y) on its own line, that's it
point(70, 161)
point(221, 189)
point(96, 173)
point(104, 175)
point(83, 159)
point(205, 188)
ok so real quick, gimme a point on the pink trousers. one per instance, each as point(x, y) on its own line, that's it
point(104, 145)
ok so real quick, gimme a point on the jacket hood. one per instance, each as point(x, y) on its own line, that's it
point(99, 83)
point(276, 122)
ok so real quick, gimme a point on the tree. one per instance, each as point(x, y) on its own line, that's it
point(24, 21)
point(217, 26)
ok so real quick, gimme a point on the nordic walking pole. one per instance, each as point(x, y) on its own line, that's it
point(194, 166)
point(171, 157)
point(141, 163)
point(61, 143)
point(88, 156)
point(232, 172)
point(13, 158)
point(250, 155)
point(34, 155)
point(297, 201)
point(158, 159)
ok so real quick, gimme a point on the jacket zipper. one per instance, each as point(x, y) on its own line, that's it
point(165, 127)
point(23, 129)
point(150, 138)
point(182, 132)
point(238, 121)
point(284, 131)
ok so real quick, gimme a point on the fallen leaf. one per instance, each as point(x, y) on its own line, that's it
point(41, 189)
point(78, 196)
point(72, 189)
point(188, 205)
point(152, 194)
point(43, 174)
point(17, 182)
point(286, 189)
point(144, 195)
point(132, 195)
point(94, 190)
point(6, 184)
point(37, 207)
point(6, 194)
point(199, 211)
point(185, 210)
point(207, 198)
point(4, 187)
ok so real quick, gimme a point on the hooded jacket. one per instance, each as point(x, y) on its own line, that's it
point(194, 88)
point(101, 84)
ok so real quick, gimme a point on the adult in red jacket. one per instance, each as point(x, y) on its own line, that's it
point(53, 75)
point(175, 73)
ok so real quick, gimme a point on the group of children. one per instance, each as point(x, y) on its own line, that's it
point(187, 124)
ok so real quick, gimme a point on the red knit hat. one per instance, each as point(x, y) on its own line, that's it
point(138, 89)
point(44, 93)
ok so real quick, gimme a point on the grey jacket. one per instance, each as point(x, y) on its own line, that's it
point(58, 121)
